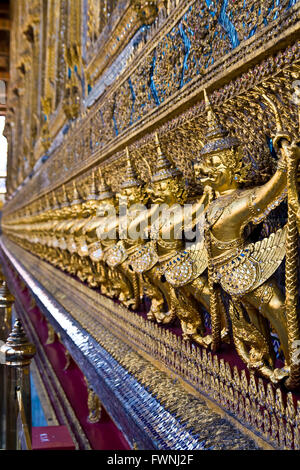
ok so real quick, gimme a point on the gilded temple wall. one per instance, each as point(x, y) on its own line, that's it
point(108, 101)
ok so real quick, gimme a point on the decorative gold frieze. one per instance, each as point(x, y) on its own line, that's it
point(103, 111)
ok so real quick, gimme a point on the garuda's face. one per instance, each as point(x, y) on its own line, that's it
point(212, 172)
point(106, 207)
point(163, 192)
point(90, 207)
point(131, 195)
point(76, 209)
point(66, 211)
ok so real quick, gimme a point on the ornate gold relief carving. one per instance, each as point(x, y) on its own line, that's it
point(94, 405)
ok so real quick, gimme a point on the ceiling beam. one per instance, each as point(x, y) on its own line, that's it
point(4, 75)
point(5, 24)
point(4, 62)
point(5, 27)
point(4, 10)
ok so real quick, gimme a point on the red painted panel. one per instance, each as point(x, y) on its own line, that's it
point(51, 438)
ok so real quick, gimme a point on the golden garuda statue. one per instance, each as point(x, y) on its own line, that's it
point(163, 257)
point(244, 269)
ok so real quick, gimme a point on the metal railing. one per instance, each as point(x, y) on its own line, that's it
point(23, 437)
point(16, 353)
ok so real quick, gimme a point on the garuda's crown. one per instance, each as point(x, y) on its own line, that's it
point(164, 169)
point(131, 178)
point(217, 136)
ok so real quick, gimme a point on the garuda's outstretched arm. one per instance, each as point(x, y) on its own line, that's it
point(179, 225)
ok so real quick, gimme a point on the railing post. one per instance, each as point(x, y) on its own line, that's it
point(3, 336)
point(18, 354)
point(6, 301)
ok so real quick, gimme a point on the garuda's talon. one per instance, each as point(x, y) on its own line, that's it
point(150, 316)
point(168, 318)
point(204, 341)
point(278, 375)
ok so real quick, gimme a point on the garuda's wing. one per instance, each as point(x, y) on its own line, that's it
point(254, 265)
point(268, 253)
point(187, 265)
point(116, 254)
point(144, 258)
